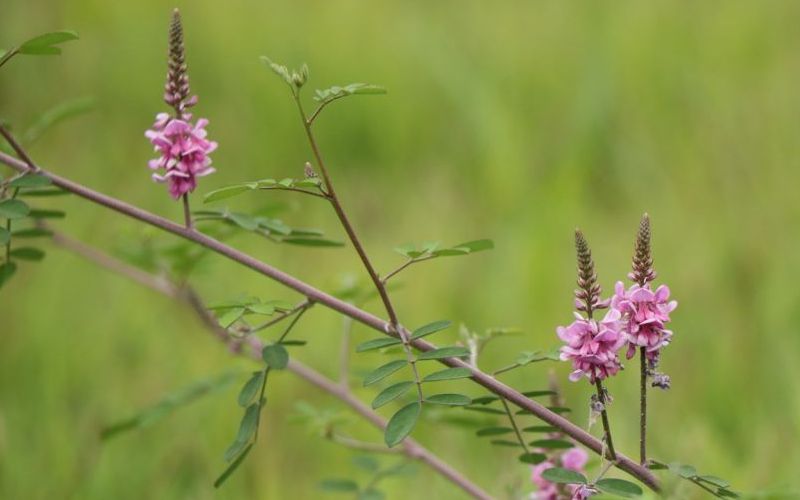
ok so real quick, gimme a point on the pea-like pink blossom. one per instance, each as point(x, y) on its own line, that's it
point(183, 152)
point(592, 346)
point(572, 459)
point(644, 315)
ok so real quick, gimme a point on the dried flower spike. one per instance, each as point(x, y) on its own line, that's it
point(176, 90)
point(643, 271)
point(588, 293)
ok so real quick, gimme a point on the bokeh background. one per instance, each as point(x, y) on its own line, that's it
point(515, 121)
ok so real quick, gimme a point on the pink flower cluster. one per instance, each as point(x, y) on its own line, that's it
point(573, 459)
point(645, 314)
point(592, 346)
point(184, 152)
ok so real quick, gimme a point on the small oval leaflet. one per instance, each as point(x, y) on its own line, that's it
point(448, 374)
point(338, 485)
point(378, 343)
point(444, 352)
point(565, 476)
point(449, 399)
point(276, 356)
point(384, 371)
point(430, 328)
point(251, 388)
point(391, 393)
point(552, 444)
point(619, 487)
point(532, 458)
point(493, 431)
point(30, 180)
point(402, 423)
point(14, 209)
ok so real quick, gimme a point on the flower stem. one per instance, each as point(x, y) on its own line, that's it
point(187, 212)
point(643, 407)
point(601, 396)
point(514, 426)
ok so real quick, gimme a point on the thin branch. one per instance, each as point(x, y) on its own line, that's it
point(187, 212)
point(514, 426)
point(411, 448)
point(578, 434)
point(643, 407)
point(315, 114)
point(404, 266)
point(601, 396)
point(296, 190)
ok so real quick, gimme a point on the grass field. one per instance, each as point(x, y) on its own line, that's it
point(516, 121)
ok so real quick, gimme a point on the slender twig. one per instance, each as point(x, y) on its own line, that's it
point(8, 55)
point(296, 190)
point(578, 434)
point(299, 307)
point(315, 114)
point(411, 448)
point(643, 407)
point(404, 266)
point(514, 426)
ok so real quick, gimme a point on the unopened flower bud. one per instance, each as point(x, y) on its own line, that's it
point(308, 171)
point(661, 380)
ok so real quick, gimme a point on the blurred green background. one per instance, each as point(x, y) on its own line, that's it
point(515, 121)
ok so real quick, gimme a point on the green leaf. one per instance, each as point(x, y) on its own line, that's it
point(44, 44)
point(232, 467)
point(619, 487)
point(266, 309)
point(402, 423)
point(293, 342)
point(51, 191)
point(465, 248)
point(244, 221)
point(564, 476)
point(336, 92)
point(7, 270)
point(430, 328)
point(684, 471)
point(448, 374)
point(494, 431)
point(279, 70)
point(34, 232)
point(276, 356)
point(540, 428)
point(247, 427)
point(366, 463)
point(338, 485)
point(312, 242)
point(716, 481)
point(251, 388)
point(378, 343)
point(534, 394)
point(485, 400)
point(481, 409)
point(552, 444)
point(56, 115)
point(444, 352)
point(532, 458)
point(449, 399)
point(47, 214)
point(14, 209)
point(384, 371)
point(726, 493)
point(5, 236)
point(230, 316)
point(228, 192)
point(391, 393)
point(30, 180)
point(27, 253)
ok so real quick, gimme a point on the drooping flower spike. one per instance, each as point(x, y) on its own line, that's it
point(591, 345)
point(182, 146)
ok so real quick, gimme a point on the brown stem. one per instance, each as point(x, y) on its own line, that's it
point(187, 212)
point(364, 317)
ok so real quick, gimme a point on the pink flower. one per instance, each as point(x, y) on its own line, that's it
point(573, 459)
point(644, 315)
point(582, 492)
point(592, 346)
point(183, 150)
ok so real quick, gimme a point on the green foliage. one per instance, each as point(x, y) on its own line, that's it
point(532, 458)
point(384, 371)
point(233, 466)
point(338, 485)
point(402, 423)
point(55, 115)
point(448, 374)
point(715, 485)
point(27, 253)
point(337, 92)
point(5, 236)
point(449, 399)
point(29, 180)
point(444, 352)
point(276, 356)
point(7, 270)
point(378, 343)
point(552, 444)
point(429, 329)
point(391, 393)
point(564, 476)
point(312, 183)
point(14, 209)
point(272, 229)
point(45, 45)
point(619, 487)
point(251, 388)
point(493, 431)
